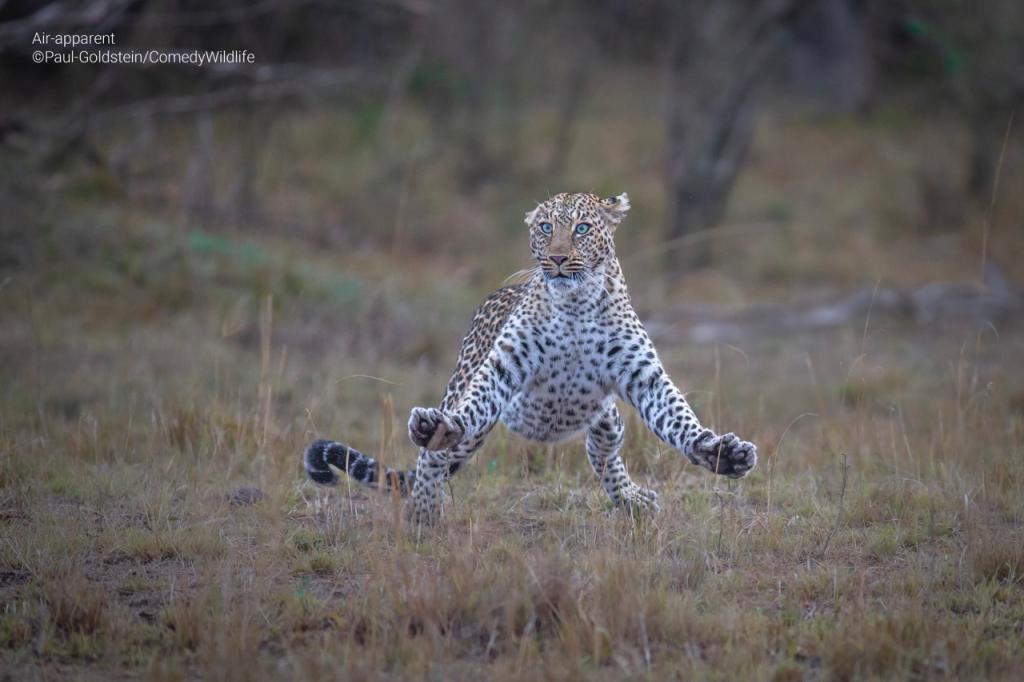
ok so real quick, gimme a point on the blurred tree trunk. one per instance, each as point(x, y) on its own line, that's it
point(572, 96)
point(989, 122)
point(483, 43)
point(980, 50)
point(830, 57)
point(720, 52)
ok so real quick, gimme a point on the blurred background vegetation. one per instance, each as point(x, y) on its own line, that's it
point(369, 171)
point(414, 128)
point(792, 163)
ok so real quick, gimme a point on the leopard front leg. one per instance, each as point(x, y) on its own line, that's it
point(604, 440)
point(449, 438)
point(643, 382)
point(437, 434)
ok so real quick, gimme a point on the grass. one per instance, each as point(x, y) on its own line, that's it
point(124, 554)
point(152, 367)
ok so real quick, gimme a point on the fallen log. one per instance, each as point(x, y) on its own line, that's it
point(994, 303)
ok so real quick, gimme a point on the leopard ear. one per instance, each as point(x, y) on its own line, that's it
point(531, 216)
point(615, 209)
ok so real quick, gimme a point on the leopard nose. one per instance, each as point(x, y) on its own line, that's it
point(558, 260)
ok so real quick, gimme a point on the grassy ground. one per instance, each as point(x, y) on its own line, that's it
point(152, 368)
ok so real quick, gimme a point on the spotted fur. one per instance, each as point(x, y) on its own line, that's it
point(549, 358)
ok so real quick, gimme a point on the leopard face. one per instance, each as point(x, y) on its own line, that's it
point(571, 237)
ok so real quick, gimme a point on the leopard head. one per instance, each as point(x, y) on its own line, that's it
point(571, 236)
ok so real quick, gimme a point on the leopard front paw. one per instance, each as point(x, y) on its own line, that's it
point(727, 455)
point(634, 497)
point(431, 429)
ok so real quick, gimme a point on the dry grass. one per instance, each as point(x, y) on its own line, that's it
point(880, 537)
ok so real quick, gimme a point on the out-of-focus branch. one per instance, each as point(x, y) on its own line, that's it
point(320, 82)
point(721, 51)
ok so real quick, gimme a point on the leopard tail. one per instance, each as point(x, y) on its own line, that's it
point(362, 468)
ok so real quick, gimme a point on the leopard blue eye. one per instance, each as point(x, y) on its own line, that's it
point(545, 228)
point(583, 228)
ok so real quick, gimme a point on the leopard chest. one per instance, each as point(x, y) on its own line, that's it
point(565, 390)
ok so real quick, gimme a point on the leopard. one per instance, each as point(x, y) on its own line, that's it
point(551, 358)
